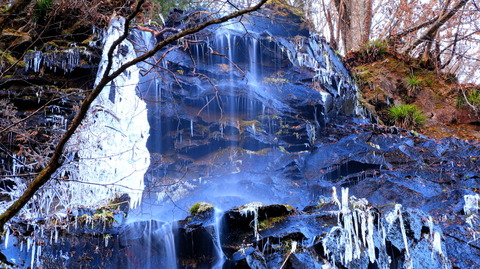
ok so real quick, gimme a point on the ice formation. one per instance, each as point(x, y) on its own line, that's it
point(252, 208)
point(360, 237)
point(64, 59)
point(470, 209)
point(355, 230)
point(108, 153)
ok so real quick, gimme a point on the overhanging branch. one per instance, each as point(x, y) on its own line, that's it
point(54, 162)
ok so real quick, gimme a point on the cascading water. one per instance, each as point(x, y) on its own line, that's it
point(225, 97)
point(236, 114)
point(220, 256)
point(151, 245)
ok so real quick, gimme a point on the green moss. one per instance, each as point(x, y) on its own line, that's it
point(200, 208)
point(283, 8)
point(104, 215)
point(270, 222)
point(9, 59)
point(49, 46)
point(363, 75)
point(245, 123)
point(262, 152)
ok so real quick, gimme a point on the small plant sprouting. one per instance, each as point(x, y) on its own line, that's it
point(374, 50)
point(406, 116)
point(413, 85)
point(42, 7)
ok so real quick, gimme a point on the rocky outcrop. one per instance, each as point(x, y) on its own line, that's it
point(249, 135)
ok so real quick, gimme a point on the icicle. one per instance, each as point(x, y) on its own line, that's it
point(7, 236)
point(370, 242)
point(191, 128)
point(437, 243)
point(29, 243)
point(311, 133)
point(56, 235)
point(253, 209)
point(32, 259)
point(39, 254)
point(344, 208)
point(335, 197)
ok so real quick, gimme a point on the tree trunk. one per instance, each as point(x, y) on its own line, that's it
point(354, 22)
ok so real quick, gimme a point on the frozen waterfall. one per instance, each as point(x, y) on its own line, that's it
point(108, 152)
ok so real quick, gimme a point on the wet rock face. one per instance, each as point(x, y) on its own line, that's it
point(239, 98)
point(246, 85)
point(387, 167)
point(429, 178)
point(275, 132)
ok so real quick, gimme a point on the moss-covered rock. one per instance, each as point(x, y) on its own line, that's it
point(201, 208)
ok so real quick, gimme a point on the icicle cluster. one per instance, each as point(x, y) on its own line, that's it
point(106, 157)
point(252, 208)
point(354, 233)
point(471, 209)
point(361, 236)
point(65, 59)
point(315, 54)
point(391, 218)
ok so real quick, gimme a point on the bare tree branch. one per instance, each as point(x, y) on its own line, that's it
point(55, 161)
point(428, 35)
point(12, 11)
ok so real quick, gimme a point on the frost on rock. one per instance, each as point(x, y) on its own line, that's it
point(108, 153)
point(470, 209)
